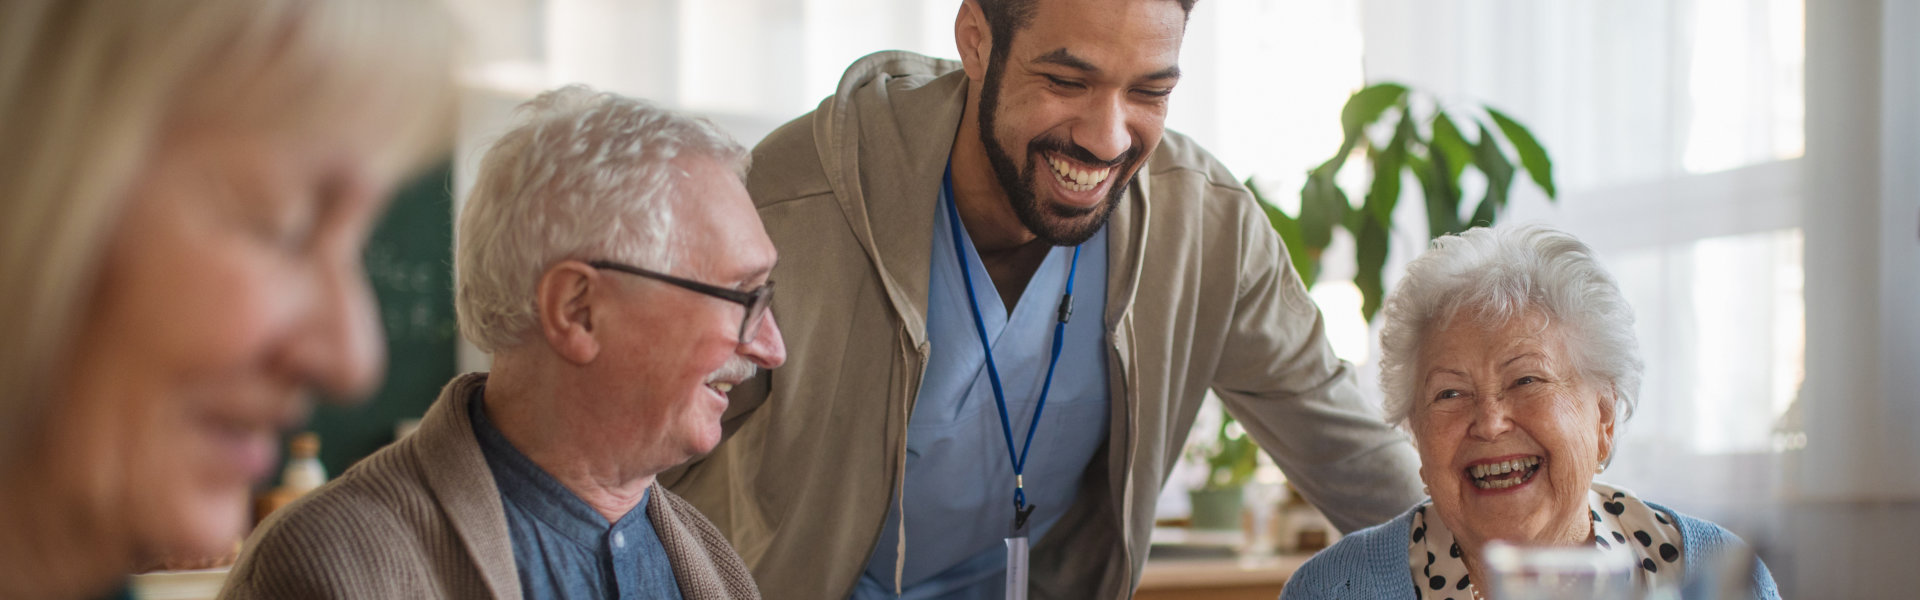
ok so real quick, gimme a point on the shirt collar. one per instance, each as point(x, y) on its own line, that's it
point(525, 485)
point(1653, 546)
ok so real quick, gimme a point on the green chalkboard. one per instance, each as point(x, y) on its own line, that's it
point(409, 260)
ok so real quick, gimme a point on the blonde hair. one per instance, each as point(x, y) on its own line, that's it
point(88, 90)
point(88, 86)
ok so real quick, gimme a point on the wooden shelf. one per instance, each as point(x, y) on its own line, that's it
point(1199, 565)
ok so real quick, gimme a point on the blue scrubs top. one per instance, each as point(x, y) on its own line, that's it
point(959, 485)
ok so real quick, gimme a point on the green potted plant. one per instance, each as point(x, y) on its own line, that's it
point(1231, 458)
point(1424, 140)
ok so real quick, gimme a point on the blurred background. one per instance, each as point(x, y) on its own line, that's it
point(1749, 169)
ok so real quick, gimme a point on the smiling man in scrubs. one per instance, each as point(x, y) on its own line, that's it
point(1010, 289)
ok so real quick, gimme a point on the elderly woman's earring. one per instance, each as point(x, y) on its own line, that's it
point(1600, 468)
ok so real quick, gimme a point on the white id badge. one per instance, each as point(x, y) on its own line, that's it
point(1017, 568)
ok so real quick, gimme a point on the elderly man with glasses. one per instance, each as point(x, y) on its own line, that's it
point(610, 260)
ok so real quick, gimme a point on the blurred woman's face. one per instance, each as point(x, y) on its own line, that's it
point(231, 291)
point(1509, 434)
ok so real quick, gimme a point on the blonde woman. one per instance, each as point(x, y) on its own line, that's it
point(185, 188)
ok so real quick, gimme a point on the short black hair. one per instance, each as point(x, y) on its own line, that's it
point(1004, 17)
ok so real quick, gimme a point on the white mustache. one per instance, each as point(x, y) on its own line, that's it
point(736, 370)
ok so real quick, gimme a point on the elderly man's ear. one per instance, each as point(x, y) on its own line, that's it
point(566, 295)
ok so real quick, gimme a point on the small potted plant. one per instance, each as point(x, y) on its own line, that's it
point(1436, 147)
point(1231, 458)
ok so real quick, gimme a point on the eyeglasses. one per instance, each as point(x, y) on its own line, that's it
point(756, 300)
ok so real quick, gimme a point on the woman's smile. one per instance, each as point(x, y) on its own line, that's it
point(1503, 474)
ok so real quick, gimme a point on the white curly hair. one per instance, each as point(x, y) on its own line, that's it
point(1501, 273)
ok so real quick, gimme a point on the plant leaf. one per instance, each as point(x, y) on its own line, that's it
point(1384, 194)
point(1371, 258)
point(1443, 200)
point(1305, 263)
point(1448, 141)
point(1499, 171)
point(1483, 215)
point(1322, 205)
point(1234, 459)
point(1350, 220)
point(1532, 157)
point(1366, 105)
point(1362, 108)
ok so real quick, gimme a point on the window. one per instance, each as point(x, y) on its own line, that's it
point(1675, 129)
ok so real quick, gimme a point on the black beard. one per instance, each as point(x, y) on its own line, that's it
point(1053, 224)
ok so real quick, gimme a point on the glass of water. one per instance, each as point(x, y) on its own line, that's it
point(1557, 572)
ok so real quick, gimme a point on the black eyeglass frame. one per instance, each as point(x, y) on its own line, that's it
point(755, 301)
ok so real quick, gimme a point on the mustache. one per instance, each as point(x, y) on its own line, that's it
point(1076, 152)
point(736, 370)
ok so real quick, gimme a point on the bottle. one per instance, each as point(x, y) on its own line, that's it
point(304, 471)
point(302, 474)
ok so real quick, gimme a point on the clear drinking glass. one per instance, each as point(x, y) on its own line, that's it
point(1557, 572)
point(1578, 572)
point(1260, 506)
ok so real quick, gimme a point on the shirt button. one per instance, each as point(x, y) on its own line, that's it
point(619, 540)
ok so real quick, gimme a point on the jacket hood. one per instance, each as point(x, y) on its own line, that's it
point(885, 135)
point(879, 115)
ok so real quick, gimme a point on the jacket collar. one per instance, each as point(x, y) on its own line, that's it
point(700, 564)
point(883, 146)
point(456, 471)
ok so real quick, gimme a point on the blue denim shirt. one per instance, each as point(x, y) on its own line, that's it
point(562, 547)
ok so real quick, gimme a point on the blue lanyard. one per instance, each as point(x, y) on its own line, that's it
point(1019, 459)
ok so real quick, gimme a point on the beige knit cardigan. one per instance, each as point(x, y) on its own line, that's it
point(421, 518)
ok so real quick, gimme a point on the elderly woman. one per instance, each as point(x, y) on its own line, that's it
point(185, 190)
point(1509, 354)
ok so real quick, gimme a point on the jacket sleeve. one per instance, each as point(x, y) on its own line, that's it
point(705, 564)
point(1280, 378)
point(1371, 563)
point(306, 554)
point(1713, 555)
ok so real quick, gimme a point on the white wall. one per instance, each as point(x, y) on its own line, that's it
point(1854, 503)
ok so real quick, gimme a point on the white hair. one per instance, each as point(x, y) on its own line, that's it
point(90, 92)
point(585, 175)
point(1499, 274)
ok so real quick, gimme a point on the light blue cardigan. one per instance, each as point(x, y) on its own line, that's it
point(1372, 562)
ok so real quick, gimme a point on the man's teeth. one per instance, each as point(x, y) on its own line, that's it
point(721, 386)
point(1077, 179)
point(1480, 473)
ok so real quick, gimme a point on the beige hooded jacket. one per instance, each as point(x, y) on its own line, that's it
point(1200, 295)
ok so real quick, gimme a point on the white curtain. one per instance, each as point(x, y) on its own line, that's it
point(1675, 128)
point(753, 64)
